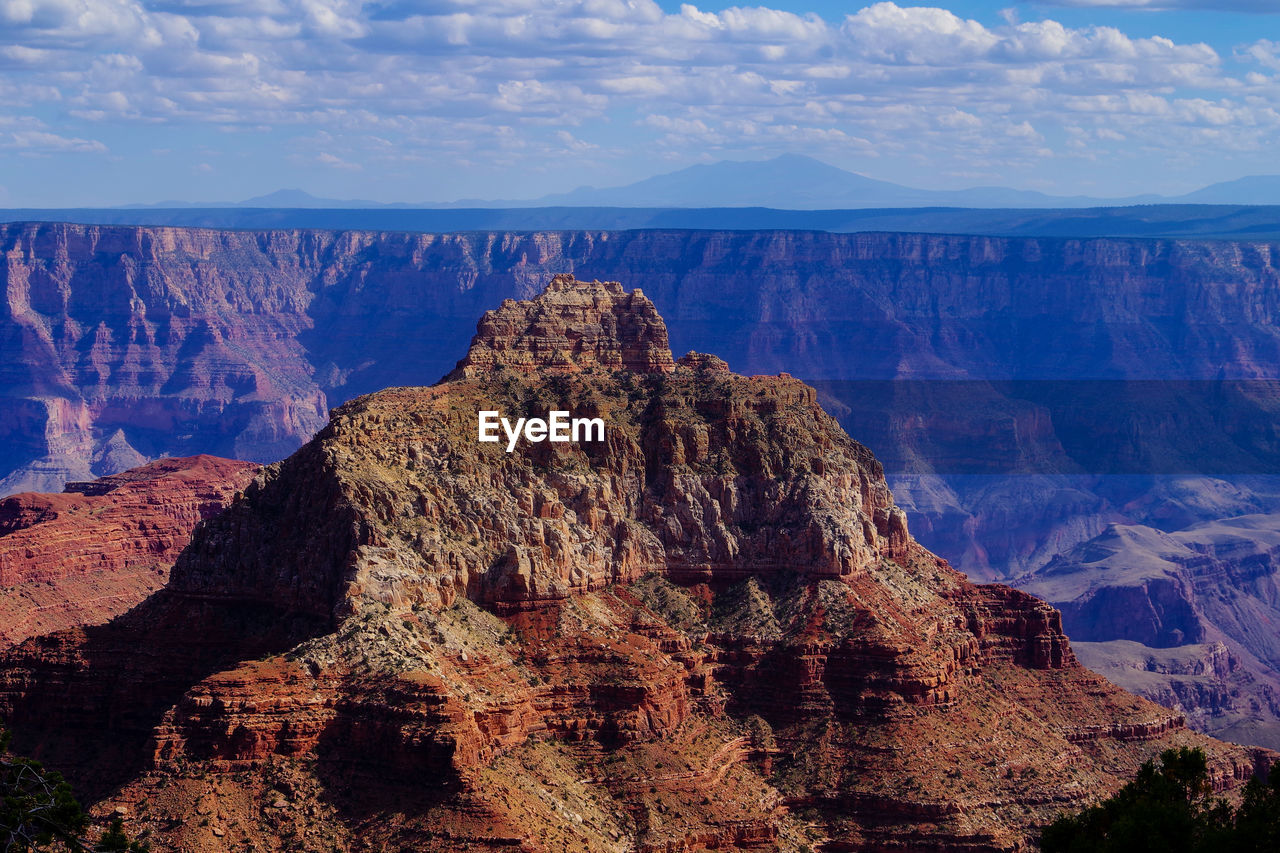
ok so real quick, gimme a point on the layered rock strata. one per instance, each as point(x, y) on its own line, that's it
point(125, 343)
point(710, 629)
point(120, 344)
point(1180, 617)
point(101, 547)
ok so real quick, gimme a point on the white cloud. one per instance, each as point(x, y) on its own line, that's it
point(889, 33)
point(958, 119)
point(70, 23)
point(572, 143)
point(1264, 52)
point(324, 158)
point(42, 142)
point(523, 79)
point(677, 125)
point(1260, 6)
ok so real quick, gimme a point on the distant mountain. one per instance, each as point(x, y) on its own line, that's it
point(280, 199)
point(1255, 189)
point(790, 181)
point(1255, 222)
point(176, 204)
point(787, 182)
point(796, 182)
point(299, 198)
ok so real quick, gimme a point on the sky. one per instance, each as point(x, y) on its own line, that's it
point(107, 102)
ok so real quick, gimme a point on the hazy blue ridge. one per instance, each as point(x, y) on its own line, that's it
point(1162, 220)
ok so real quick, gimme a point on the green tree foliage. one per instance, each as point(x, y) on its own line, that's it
point(1258, 818)
point(1170, 808)
point(39, 812)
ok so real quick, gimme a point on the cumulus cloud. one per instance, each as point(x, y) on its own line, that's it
point(574, 144)
point(1264, 52)
point(29, 136)
point(1259, 6)
point(515, 80)
point(324, 158)
point(43, 142)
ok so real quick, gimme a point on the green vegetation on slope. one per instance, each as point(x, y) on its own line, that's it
point(1170, 808)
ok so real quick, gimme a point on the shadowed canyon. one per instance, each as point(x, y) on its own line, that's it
point(978, 369)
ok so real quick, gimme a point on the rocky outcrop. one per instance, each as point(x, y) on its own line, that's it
point(85, 556)
point(1177, 617)
point(709, 629)
point(573, 326)
point(1012, 626)
point(121, 344)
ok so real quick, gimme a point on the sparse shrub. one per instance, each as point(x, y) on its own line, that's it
point(760, 732)
point(38, 811)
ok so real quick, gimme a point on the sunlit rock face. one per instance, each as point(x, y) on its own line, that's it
point(711, 629)
point(95, 551)
point(119, 345)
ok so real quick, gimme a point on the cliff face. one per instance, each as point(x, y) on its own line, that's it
point(123, 343)
point(573, 327)
point(120, 344)
point(1179, 616)
point(85, 556)
point(709, 629)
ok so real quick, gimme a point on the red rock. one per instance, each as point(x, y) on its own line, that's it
point(83, 557)
point(711, 630)
point(573, 326)
point(123, 342)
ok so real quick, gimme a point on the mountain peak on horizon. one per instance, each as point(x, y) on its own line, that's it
point(292, 197)
point(1250, 189)
point(299, 198)
point(790, 180)
point(787, 181)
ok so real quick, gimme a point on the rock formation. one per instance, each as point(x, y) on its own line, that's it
point(573, 326)
point(95, 551)
point(709, 630)
point(121, 341)
point(120, 344)
point(1175, 616)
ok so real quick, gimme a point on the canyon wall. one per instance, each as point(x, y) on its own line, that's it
point(100, 548)
point(122, 344)
point(126, 343)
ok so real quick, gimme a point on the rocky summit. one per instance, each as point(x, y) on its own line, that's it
point(573, 326)
point(708, 629)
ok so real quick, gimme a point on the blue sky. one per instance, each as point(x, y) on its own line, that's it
point(117, 101)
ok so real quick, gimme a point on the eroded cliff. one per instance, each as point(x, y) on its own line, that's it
point(124, 343)
point(102, 547)
point(710, 629)
point(1180, 617)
